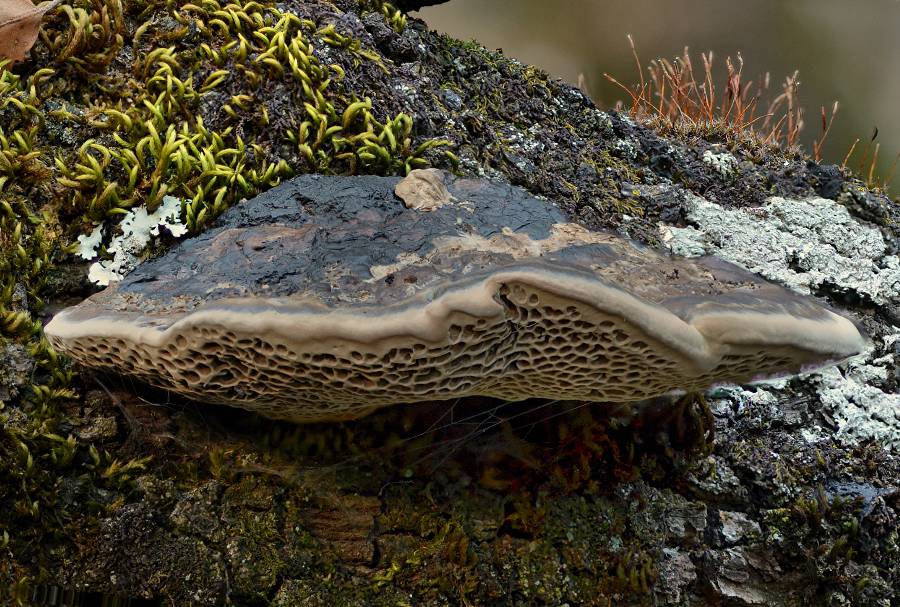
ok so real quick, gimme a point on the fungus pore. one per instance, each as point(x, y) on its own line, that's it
point(327, 297)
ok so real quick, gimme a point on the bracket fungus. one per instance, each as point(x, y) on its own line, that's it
point(327, 297)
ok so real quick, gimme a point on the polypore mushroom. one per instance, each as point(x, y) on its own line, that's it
point(327, 297)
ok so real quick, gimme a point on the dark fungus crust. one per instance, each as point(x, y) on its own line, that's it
point(328, 297)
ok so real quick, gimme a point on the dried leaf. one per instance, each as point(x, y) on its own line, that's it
point(20, 21)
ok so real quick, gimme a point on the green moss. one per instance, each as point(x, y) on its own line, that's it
point(394, 16)
point(153, 139)
point(612, 172)
point(824, 532)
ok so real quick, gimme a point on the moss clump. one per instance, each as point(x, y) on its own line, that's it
point(392, 15)
point(219, 102)
point(824, 532)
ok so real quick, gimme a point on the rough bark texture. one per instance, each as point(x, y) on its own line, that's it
point(796, 502)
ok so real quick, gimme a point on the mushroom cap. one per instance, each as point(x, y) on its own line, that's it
point(327, 297)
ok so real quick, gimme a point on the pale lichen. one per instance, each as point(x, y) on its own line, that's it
point(138, 226)
point(806, 245)
point(861, 409)
point(724, 163)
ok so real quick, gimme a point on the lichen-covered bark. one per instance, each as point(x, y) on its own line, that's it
point(108, 485)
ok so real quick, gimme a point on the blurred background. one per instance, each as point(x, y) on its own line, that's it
point(845, 50)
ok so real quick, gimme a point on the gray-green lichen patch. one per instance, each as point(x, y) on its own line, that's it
point(811, 246)
point(859, 401)
point(723, 162)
